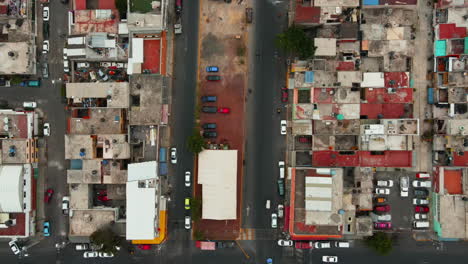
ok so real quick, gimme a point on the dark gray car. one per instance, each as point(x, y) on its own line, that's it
point(209, 109)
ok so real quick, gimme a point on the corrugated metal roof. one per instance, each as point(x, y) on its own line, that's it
point(370, 2)
point(11, 188)
point(318, 193)
point(309, 77)
point(441, 48)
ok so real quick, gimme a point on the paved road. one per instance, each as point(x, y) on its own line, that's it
point(265, 146)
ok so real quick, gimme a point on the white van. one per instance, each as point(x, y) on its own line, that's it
point(281, 168)
point(341, 244)
point(267, 205)
point(421, 224)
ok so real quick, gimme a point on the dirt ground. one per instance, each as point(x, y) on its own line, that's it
point(223, 43)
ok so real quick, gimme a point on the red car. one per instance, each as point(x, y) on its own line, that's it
point(48, 195)
point(284, 95)
point(303, 245)
point(103, 198)
point(383, 225)
point(382, 208)
point(421, 209)
point(224, 110)
point(144, 247)
point(423, 175)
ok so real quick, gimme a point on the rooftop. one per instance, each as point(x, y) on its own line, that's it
point(17, 58)
point(14, 124)
point(15, 151)
point(325, 46)
point(85, 222)
point(80, 147)
point(146, 99)
point(362, 159)
point(90, 172)
point(307, 14)
point(335, 3)
point(97, 20)
point(115, 94)
point(98, 121)
point(452, 217)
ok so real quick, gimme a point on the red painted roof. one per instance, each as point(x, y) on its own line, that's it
point(80, 4)
point(345, 66)
point(396, 80)
point(3, 9)
point(460, 160)
point(152, 55)
point(453, 181)
point(448, 31)
point(381, 95)
point(372, 111)
point(22, 125)
point(106, 4)
point(17, 230)
point(323, 97)
point(307, 14)
point(362, 159)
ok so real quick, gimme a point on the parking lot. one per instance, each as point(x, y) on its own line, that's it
point(401, 208)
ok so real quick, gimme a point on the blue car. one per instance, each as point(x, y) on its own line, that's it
point(212, 69)
point(46, 228)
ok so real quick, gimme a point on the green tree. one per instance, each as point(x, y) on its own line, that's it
point(198, 235)
point(196, 204)
point(15, 80)
point(107, 238)
point(381, 243)
point(121, 5)
point(295, 41)
point(195, 142)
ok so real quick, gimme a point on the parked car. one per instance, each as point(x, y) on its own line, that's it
point(187, 178)
point(213, 78)
point(284, 94)
point(45, 46)
point(423, 175)
point(274, 220)
point(284, 125)
point(187, 203)
point(178, 7)
point(385, 183)
point(212, 69)
point(210, 134)
point(404, 186)
point(66, 68)
point(421, 209)
point(280, 210)
point(418, 201)
point(106, 255)
point(342, 244)
point(281, 187)
point(385, 191)
point(224, 110)
point(380, 200)
point(187, 222)
point(383, 218)
point(322, 244)
point(90, 254)
point(419, 216)
point(330, 259)
point(382, 208)
point(421, 184)
point(421, 192)
point(30, 83)
point(45, 70)
point(46, 129)
point(65, 204)
point(173, 155)
point(29, 104)
point(285, 243)
point(45, 13)
point(208, 99)
point(383, 225)
point(46, 228)
point(209, 126)
point(14, 247)
point(81, 246)
point(209, 109)
point(48, 195)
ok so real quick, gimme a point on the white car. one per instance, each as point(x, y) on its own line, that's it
point(285, 243)
point(188, 222)
point(418, 201)
point(14, 247)
point(90, 254)
point(385, 191)
point(45, 13)
point(387, 183)
point(46, 129)
point(105, 255)
point(81, 246)
point(274, 220)
point(65, 205)
point(173, 155)
point(283, 127)
point(280, 210)
point(421, 184)
point(66, 67)
point(29, 104)
point(384, 218)
point(325, 244)
point(45, 46)
point(404, 186)
point(330, 259)
point(420, 216)
point(187, 179)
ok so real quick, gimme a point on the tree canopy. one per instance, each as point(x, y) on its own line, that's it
point(107, 238)
point(295, 41)
point(381, 243)
point(195, 142)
